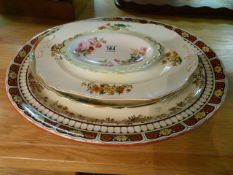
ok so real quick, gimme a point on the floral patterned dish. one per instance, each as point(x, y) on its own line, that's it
point(169, 118)
point(112, 52)
point(109, 51)
point(89, 109)
point(164, 76)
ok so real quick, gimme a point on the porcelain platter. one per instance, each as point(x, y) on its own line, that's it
point(171, 62)
point(93, 111)
point(171, 117)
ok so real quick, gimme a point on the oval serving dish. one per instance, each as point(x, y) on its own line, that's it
point(162, 67)
point(179, 113)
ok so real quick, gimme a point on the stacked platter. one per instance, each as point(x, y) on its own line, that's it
point(116, 81)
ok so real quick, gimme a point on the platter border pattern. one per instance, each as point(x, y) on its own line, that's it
point(190, 118)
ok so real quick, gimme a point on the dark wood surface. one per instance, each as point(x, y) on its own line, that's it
point(57, 9)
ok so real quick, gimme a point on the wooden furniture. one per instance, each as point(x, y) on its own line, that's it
point(203, 8)
point(206, 150)
point(65, 10)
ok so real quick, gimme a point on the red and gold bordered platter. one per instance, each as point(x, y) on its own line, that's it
point(203, 108)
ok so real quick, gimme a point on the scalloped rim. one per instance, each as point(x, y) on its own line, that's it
point(87, 137)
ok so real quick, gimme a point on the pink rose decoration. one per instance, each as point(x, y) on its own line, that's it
point(143, 50)
point(93, 41)
point(98, 45)
point(90, 49)
point(82, 46)
point(87, 47)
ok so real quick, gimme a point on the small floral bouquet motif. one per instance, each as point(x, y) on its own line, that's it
point(56, 49)
point(106, 88)
point(87, 47)
point(135, 56)
point(113, 27)
point(172, 57)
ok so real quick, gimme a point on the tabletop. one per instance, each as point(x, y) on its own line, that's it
point(205, 150)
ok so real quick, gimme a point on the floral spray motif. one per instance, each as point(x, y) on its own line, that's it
point(87, 47)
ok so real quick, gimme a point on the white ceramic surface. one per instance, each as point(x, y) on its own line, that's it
point(163, 77)
point(90, 111)
point(117, 52)
point(174, 116)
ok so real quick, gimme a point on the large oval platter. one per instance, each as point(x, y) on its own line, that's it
point(75, 51)
point(176, 119)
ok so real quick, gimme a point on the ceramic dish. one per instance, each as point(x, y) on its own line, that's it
point(109, 51)
point(92, 111)
point(175, 116)
point(160, 76)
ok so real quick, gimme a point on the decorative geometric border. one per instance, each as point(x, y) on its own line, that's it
point(201, 110)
